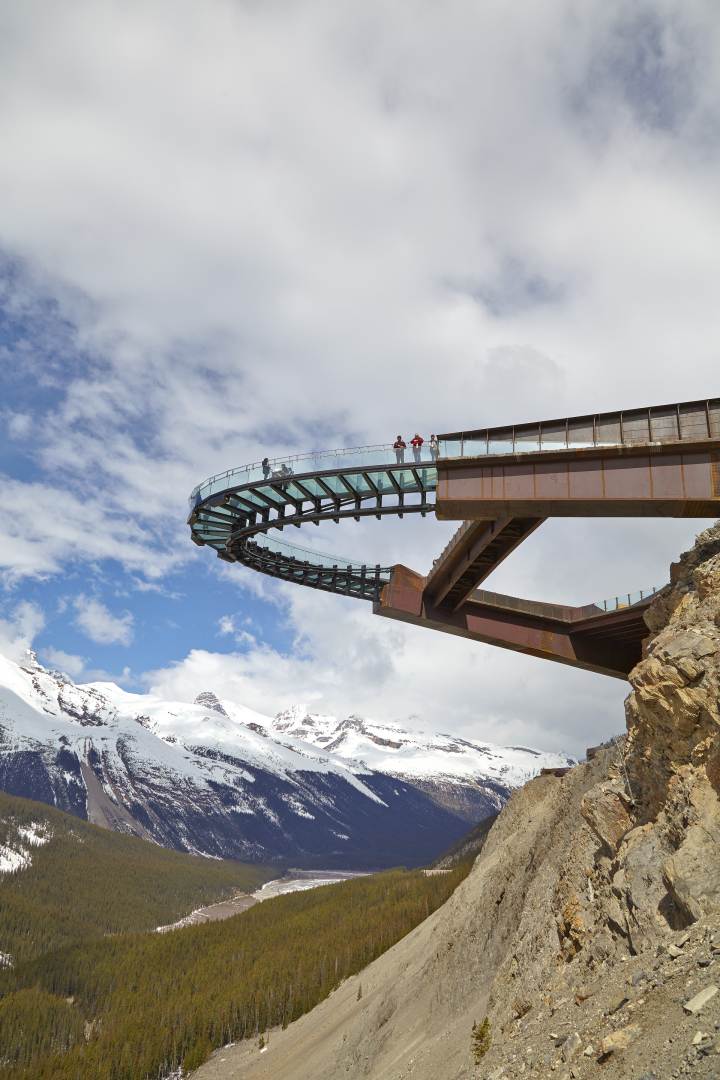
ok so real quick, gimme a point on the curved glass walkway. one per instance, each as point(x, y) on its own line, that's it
point(240, 512)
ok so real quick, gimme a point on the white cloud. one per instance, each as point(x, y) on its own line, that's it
point(19, 425)
point(70, 663)
point(227, 626)
point(50, 527)
point(19, 630)
point(99, 623)
point(353, 219)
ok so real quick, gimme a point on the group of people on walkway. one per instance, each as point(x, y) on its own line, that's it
point(417, 442)
point(280, 473)
point(271, 471)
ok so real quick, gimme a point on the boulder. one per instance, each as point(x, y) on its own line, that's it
point(606, 812)
point(620, 1040)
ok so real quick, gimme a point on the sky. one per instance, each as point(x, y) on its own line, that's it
point(233, 229)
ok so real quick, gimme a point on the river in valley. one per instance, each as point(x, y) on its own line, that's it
point(291, 881)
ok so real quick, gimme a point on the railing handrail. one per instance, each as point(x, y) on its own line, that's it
point(285, 459)
point(294, 549)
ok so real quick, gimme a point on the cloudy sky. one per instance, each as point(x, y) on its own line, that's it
point(236, 228)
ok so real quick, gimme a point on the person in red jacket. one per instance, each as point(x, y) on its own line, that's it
point(416, 443)
point(399, 448)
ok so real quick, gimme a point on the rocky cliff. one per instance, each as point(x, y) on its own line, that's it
point(588, 932)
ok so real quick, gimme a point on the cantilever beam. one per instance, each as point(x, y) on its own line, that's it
point(477, 548)
point(609, 643)
point(662, 480)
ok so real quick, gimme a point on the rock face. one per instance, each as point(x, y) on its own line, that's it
point(673, 717)
point(591, 917)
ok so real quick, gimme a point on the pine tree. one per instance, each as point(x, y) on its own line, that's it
point(480, 1039)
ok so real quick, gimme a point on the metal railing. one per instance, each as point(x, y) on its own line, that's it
point(626, 600)
point(692, 421)
point(282, 468)
point(320, 558)
point(272, 544)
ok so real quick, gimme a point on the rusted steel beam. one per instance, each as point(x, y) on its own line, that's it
point(566, 640)
point(612, 482)
point(474, 552)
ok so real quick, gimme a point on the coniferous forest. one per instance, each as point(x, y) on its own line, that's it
point(133, 1006)
point(88, 882)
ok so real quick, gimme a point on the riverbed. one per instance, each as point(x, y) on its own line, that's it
point(291, 881)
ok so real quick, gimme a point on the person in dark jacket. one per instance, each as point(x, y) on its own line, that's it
point(399, 448)
point(265, 468)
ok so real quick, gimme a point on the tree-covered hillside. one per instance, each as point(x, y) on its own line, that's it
point(138, 1006)
point(76, 881)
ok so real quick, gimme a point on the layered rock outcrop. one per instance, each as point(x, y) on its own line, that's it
point(673, 744)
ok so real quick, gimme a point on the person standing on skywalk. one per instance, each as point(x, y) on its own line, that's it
point(417, 442)
point(399, 448)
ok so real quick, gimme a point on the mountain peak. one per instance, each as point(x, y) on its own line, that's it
point(222, 779)
point(208, 700)
point(396, 750)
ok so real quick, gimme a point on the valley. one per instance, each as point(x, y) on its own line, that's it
point(137, 1005)
point(293, 881)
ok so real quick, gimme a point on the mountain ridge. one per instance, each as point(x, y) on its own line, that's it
point(216, 778)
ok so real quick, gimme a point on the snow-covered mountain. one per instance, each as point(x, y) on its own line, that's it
point(472, 778)
point(218, 779)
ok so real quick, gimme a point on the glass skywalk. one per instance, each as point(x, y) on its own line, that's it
point(360, 458)
point(239, 513)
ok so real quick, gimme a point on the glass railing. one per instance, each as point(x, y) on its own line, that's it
point(271, 544)
point(694, 421)
point(320, 558)
point(626, 600)
point(484, 447)
point(282, 468)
